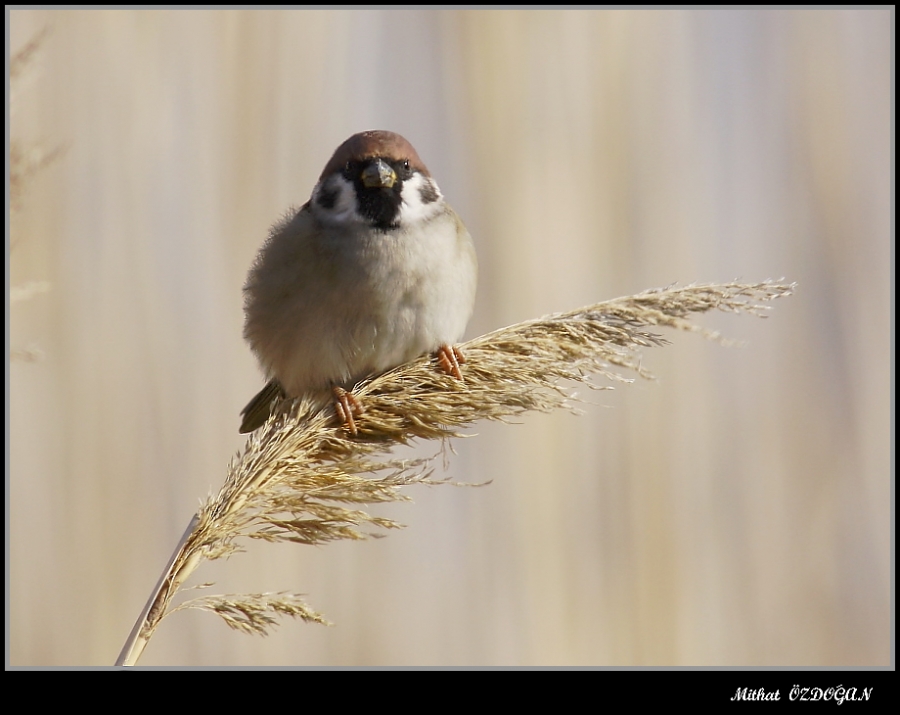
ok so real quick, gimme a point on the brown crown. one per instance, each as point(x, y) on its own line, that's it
point(372, 144)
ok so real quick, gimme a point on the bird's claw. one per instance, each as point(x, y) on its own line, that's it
point(450, 358)
point(347, 408)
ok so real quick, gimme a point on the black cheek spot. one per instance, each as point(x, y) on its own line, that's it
point(428, 193)
point(327, 198)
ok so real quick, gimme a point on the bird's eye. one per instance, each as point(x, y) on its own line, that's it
point(406, 164)
point(348, 170)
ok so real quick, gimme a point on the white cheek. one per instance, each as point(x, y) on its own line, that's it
point(413, 208)
point(344, 209)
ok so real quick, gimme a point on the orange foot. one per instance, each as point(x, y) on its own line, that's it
point(450, 358)
point(347, 407)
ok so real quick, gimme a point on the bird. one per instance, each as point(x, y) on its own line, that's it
point(376, 269)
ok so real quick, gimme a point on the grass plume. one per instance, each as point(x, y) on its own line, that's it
point(302, 478)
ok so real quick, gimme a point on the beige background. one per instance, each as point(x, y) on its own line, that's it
point(737, 512)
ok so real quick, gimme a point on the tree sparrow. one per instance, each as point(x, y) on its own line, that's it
point(373, 271)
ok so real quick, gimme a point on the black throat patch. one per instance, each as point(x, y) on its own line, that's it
point(379, 205)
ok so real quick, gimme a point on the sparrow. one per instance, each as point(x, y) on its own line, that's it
point(374, 270)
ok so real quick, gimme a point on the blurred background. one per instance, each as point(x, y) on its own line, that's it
point(736, 512)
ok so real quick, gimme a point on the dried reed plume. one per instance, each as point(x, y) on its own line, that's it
point(301, 476)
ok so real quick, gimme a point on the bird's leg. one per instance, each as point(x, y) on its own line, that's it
point(347, 407)
point(450, 358)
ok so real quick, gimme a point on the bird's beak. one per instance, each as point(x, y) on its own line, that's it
point(378, 174)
